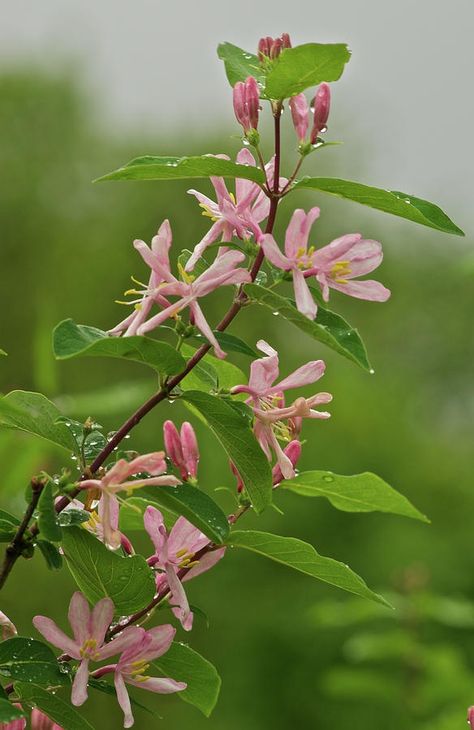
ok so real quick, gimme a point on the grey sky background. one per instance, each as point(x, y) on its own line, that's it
point(149, 64)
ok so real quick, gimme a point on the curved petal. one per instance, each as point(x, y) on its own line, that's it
point(162, 316)
point(152, 260)
point(127, 641)
point(304, 299)
point(155, 526)
point(264, 371)
point(212, 235)
point(56, 637)
point(123, 700)
point(161, 638)
point(79, 686)
point(338, 249)
point(161, 685)
point(102, 615)
point(372, 291)
point(180, 605)
point(205, 563)
point(202, 324)
point(161, 243)
point(245, 190)
point(304, 375)
point(79, 617)
point(184, 535)
point(298, 231)
point(273, 253)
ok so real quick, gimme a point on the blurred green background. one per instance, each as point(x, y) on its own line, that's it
point(291, 652)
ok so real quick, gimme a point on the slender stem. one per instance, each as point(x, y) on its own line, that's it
point(292, 178)
point(15, 548)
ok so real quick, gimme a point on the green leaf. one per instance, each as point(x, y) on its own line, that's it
point(3, 353)
point(47, 516)
point(53, 706)
point(69, 517)
point(186, 665)
point(29, 660)
point(297, 68)
point(212, 373)
point(8, 712)
point(233, 432)
point(76, 340)
point(133, 509)
point(51, 554)
point(150, 167)
point(100, 573)
point(190, 502)
point(303, 557)
point(389, 201)
point(8, 526)
point(229, 343)
point(329, 328)
point(103, 686)
point(358, 493)
point(239, 64)
point(34, 413)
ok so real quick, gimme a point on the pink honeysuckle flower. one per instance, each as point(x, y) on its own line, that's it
point(89, 628)
point(182, 448)
point(470, 717)
point(133, 664)
point(40, 721)
point(292, 451)
point(299, 108)
point(19, 724)
point(175, 550)
point(110, 512)
point(270, 48)
point(334, 266)
point(7, 627)
point(222, 272)
point(231, 215)
point(321, 105)
point(117, 479)
point(267, 401)
point(246, 98)
point(150, 293)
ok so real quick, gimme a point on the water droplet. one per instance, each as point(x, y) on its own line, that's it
point(275, 314)
point(371, 371)
point(328, 478)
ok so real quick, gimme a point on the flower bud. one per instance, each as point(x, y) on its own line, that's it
point(235, 472)
point(299, 113)
point(19, 724)
point(7, 628)
point(246, 97)
point(40, 721)
point(270, 48)
point(470, 717)
point(172, 443)
point(293, 452)
point(322, 103)
point(190, 449)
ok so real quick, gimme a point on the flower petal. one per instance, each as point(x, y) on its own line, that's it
point(102, 615)
point(79, 616)
point(161, 685)
point(184, 535)
point(202, 324)
point(155, 526)
point(79, 685)
point(304, 299)
point(161, 638)
point(298, 231)
point(128, 640)
point(273, 253)
point(123, 699)
point(372, 291)
point(180, 605)
point(205, 563)
point(55, 636)
point(304, 375)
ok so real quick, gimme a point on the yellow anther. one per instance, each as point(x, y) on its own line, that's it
point(207, 212)
point(340, 270)
point(232, 197)
point(182, 552)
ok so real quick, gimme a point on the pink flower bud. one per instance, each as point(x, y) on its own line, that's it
point(272, 47)
point(190, 449)
point(172, 443)
point(264, 48)
point(7, 628)
point(293, 452)
point(240, 484)
point(322, 103)
point(299, 113)
point(470, 717)
point(40, 721)
point(14, 724)
point(246, 97)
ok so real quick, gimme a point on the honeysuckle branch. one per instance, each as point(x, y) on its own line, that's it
point(17, 545)
point(15, 548)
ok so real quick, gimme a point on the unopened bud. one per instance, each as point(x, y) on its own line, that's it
point(470, 717)
point(7, 628)
point(40, 721)
point(190, 449)
point(299, 113)
point(172, 443)
point(246, 97)
point(293, 452)
point(19, 724)
point(322, 103)
point(270, 48)
point(240, 483)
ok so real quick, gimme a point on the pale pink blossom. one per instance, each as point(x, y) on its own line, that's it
point(238, 215)
point(149, 294)
point(89, 629)
point(334, 266)
point(268, 404)
point(321, 105)
point(110, 511)
point(40, 721)
point(117, 479)
point(470, 717)
point(299, 113)
point(246, 98)
point(182, 448)
point(133, 664)
point(222, 272)
point(7, 627)
point(175, 551)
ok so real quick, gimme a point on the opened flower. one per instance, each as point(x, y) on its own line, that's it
point(268, 403)
point(89, 629)
point(117, 479)
point(334, 266)
point(231, 215)
point(175, 551)
point(182, 448)
point(7, 628)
